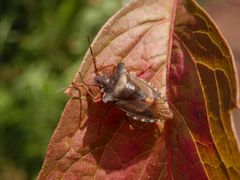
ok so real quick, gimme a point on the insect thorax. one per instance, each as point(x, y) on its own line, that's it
point(118, 86)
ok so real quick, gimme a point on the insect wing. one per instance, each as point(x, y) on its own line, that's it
point(144, 86)
point(138, 107)
point(156, 109)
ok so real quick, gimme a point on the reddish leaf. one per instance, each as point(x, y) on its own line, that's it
point(190, 63)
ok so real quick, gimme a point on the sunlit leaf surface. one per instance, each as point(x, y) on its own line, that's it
point(174, 45)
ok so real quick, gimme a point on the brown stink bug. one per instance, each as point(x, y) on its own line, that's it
point(138, 98)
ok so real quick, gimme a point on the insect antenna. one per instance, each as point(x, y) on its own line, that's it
point(93, 57)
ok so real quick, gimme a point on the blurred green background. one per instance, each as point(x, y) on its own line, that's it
point(42, 43)
point(41, 47)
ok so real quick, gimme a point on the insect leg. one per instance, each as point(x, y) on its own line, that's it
point(86, 84)
point(80, 103)
point(96, 98)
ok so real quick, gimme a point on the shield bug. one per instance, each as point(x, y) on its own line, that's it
point(138, 98)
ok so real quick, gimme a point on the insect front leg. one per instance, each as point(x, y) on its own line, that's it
point(78, 86)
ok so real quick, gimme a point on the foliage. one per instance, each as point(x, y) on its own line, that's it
point(41, 43)
point(175, 46)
